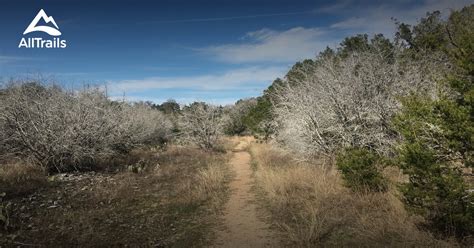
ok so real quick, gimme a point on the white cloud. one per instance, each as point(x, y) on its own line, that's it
point(353, 22)
point(378, 18)
point(298, 43)
point(232, 79)
point(268, 45)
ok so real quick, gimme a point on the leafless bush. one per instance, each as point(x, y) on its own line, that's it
point(146, 126)
point(64, 130)
point(346, 102)
point(201, 124)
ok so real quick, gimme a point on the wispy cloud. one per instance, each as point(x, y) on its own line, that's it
point(267, 45)
point(332, 8)
point(378, 18)
point(294, 44)
point(228, 18)
point(13, 59)
point(242, 78)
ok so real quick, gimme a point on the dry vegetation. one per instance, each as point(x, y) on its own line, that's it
point(362, 108)
point(63, 131)
point(347, 102)
point(159, 199)
point(310, 206)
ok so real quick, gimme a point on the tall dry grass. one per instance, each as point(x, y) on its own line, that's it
point(19, 178)
point(310, 207)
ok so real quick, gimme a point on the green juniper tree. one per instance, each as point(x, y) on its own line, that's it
point(439, 133)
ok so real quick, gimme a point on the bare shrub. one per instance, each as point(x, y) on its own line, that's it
point(346, 102)
point(70, 130)
point(201, 124)
point(145, 125)
point(310, 207)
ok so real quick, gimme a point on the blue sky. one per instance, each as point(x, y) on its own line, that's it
point(215, 51)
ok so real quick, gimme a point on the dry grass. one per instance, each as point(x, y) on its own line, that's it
point(310, 207)
point(174, 201)
point(17, 178)
point(210, 181)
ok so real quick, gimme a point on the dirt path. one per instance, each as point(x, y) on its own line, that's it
point(242, 226)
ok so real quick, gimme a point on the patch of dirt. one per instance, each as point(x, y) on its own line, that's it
point(242, 225)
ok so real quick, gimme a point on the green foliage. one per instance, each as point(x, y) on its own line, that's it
point(436, 191)
point(258, 115)
point(360, 171)
point(298, 72)
point(236, 124)
point(355, 43)
point(428, 35)
point(439, 134)
point(361, 43)
point(168, 107)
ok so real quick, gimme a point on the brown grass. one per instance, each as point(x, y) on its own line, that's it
point(174, 201)
point(17, 178)
point(310, 207)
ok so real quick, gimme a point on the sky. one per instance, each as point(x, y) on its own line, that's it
point(213, 51)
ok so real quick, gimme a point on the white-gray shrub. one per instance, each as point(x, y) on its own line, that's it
point(63, 130)
point(201, 124)
point(346, 102)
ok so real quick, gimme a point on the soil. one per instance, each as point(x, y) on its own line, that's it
point(243, 227)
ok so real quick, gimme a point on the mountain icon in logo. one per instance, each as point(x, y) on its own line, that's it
point(47, 19)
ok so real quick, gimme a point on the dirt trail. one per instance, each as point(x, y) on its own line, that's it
point(242, 226)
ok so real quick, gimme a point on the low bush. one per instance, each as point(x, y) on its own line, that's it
point(359, 168)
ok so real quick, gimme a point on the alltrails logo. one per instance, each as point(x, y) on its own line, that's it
point(38, 42)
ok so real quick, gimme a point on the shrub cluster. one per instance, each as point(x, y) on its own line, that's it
point(64, 131)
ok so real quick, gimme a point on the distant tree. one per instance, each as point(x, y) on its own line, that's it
point(259, 116)
point(357, 43)
point(327, 53)
point(201, 124)
point(428, 35)
point(235, 122)
point(299, 71)
point(361, 43)
point(169, 107)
